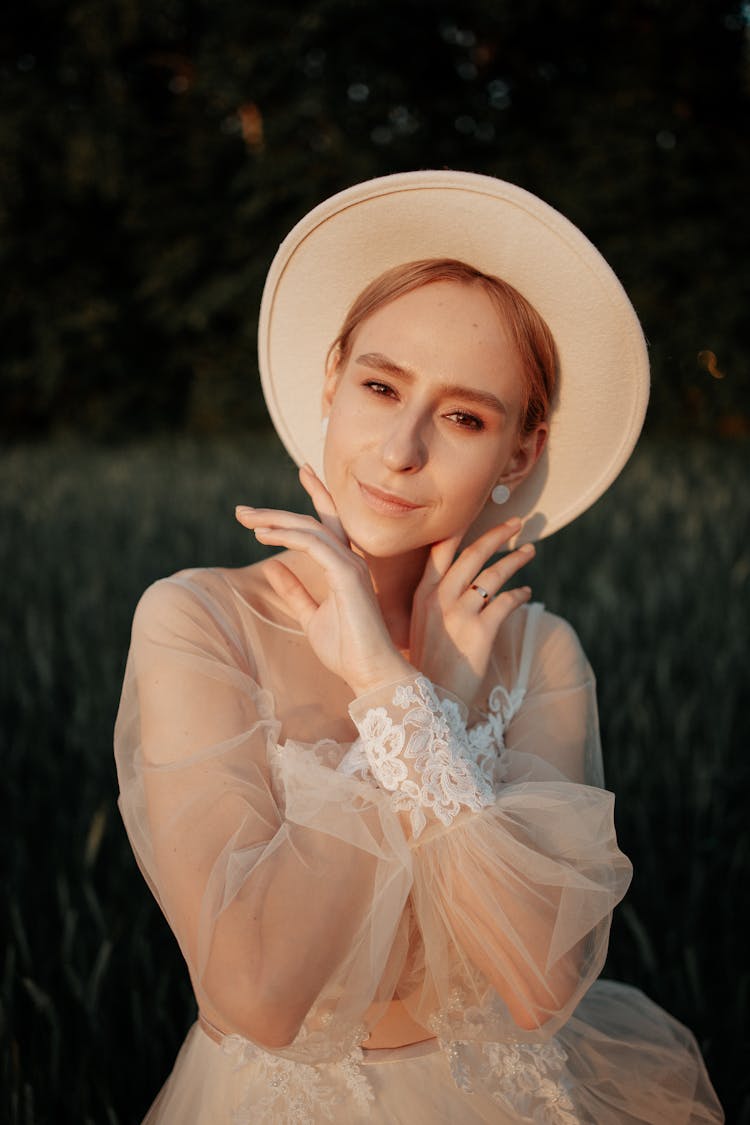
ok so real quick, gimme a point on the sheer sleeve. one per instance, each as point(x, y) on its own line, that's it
point(283, 881)
point(516, 867)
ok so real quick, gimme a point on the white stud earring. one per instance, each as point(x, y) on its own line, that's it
point(324, 426)
point(500, 493)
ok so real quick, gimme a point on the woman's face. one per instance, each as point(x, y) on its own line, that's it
point(424, 418)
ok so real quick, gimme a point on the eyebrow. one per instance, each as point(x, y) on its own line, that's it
point(380, 362)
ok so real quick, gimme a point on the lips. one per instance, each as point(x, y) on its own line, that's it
point(387, 501)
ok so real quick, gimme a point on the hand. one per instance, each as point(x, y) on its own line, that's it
point(453, 627)
point(345, 629)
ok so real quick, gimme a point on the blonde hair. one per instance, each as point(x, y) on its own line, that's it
point(528, 330)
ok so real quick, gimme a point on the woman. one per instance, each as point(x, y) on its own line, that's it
point(362, 777)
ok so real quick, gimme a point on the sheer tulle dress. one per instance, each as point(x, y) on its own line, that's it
point(410, 872)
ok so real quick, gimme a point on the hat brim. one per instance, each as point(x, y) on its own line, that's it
point(348, 240)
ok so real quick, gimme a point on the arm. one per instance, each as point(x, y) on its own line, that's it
point(273, 905)
point(516, 885)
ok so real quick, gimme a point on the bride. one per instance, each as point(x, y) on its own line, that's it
point(362, 777)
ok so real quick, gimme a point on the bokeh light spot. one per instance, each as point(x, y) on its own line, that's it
point(708, 360)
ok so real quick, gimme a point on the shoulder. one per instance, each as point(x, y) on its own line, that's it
point(186, 604)
point(175, 592)
point(542, 648)
point(558, 659)
point(557, 639)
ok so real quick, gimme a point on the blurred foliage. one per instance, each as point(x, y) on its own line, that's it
point(153, 155)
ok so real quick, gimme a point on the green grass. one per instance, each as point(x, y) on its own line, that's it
point(95, 1000)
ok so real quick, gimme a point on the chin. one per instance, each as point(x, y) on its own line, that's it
point(383, 543)
point(383, 547)
point(389, 543)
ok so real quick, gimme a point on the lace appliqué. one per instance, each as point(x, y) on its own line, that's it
point(430, 760)
point(529, 1079)
point(296, 1093)
point(526, 1078)
point(502, 706)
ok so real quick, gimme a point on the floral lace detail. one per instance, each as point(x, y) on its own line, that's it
point(503, 705)
point(486, 741)
point(454, 767)
point(526, 1078)
point(529, 1079)
point(296, 1093)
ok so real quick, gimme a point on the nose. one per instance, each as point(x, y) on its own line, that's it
point(405, 443)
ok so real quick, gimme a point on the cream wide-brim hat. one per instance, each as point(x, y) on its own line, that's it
point(348, 240)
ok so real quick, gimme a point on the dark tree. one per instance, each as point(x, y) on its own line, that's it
point(153, 155)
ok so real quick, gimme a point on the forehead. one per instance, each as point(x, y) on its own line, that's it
point(446, 330)
point(447, 294)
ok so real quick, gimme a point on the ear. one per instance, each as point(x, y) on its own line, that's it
point(524, 459)
point(334, 368)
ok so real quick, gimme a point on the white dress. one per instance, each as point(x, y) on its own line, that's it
point(408, 857)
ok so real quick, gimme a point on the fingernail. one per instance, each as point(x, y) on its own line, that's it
point(527, 548)
point(241, 508)
point(261, 531)
point(514, 522)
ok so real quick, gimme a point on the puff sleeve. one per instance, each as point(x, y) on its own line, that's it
point(516, 865)
point(284, 881)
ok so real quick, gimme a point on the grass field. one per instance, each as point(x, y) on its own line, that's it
point(655, 578)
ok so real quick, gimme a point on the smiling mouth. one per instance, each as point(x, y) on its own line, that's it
point(386, 502)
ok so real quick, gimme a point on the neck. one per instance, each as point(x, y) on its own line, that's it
point(395, 581)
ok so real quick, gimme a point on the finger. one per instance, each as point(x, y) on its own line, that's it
point(292, 592)
point(439, 561)
point(474, 557)
point(336, 560)
point(268, 517)
point(500, 607)
point(323, 502)
point(253, 518)
point(494, 577)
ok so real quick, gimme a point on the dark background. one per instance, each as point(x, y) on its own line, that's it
point(153, 154)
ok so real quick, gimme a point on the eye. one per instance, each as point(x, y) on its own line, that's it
point(379, 388)
point(466, 421)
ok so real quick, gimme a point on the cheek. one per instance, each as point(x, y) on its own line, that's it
point(468, 503)
point(337, 448)
point(473, 477)
point(333, 430)
point(463, 490)
point(349, 423)
point(330, 457)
